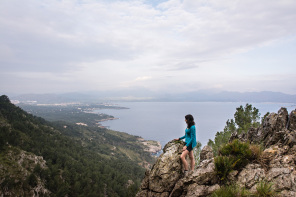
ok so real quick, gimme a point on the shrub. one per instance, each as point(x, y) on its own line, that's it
point(223, 166)
point(231, 191)
point(265, 189)
point(234, 156)
point(240, 151)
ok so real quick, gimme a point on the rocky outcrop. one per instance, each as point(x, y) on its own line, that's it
point(292, 121)
point(161, 179)
point(277, 128)
point(206, 153)
point(277, 164)
point(281, 171)
point(19, 174)
point(166, 178)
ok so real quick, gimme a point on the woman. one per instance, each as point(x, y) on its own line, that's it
point(190, 140)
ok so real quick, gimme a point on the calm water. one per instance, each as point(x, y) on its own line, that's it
point(164, 121)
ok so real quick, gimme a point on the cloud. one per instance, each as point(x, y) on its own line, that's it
point(144, 78)
point(95, 41)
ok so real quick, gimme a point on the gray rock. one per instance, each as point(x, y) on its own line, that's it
point(250, 175)
point(206, 153)
point(204, 175)
point(292, 121)
point(196, 190)
point(166, 171)
point(273, 126)
point(287, 193)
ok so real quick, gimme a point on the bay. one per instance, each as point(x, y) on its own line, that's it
point(164, 121)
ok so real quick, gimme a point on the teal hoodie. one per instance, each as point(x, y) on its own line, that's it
point(190, 136)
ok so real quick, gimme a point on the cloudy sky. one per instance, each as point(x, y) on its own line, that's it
point(49, 46)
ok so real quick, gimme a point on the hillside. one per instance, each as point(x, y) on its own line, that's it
point(63, 159)
point(260, 162)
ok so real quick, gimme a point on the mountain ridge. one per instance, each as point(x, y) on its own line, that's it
point(76, 160)
point(194, 96)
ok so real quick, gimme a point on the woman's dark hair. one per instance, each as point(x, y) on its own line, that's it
point(190, 120)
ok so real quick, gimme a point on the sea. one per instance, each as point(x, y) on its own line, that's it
point(164, 121)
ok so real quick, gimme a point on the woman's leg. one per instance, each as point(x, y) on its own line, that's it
point(192, 160)
point(183, 158)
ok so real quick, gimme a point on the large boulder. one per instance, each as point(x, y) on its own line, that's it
point(250, 176)
point(273, 126)
point(277, 129)
point(206, 153)
point(165, 172)
point(166, 178)
point(203, 177)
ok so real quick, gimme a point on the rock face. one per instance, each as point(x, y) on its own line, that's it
point(206, 153)
point(278, 164)
point(277, 129)
point(24, 163)
point(160, 180)
point(166, 178)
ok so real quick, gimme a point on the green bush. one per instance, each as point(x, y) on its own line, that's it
point(240, 151)
point(223, 166)
point(231, 191)
point(244, 118)
point(265, 189)
point(234, 156)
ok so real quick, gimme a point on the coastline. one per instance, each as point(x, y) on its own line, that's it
point(152, 146)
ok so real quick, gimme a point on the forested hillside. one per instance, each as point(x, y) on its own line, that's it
point(63, 159)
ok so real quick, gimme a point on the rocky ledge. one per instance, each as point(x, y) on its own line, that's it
point(277, 134)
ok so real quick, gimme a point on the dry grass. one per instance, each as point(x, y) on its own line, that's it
point(256, 152)
point(265, 159)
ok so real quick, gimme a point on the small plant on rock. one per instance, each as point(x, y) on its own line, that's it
point(265, 189)
point(256, 151)
point(231, 191)
point(223, 166)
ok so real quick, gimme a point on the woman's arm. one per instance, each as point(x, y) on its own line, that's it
point(182, 137)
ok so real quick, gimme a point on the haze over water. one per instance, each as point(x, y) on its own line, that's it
point(164, 121)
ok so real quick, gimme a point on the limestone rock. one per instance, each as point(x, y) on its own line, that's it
point(292, 121)
point(145, 182)
point(250, 175)
point(166, 171)
point(287, 193)
point(273, 126)
point(206, 153)
point(202, 177)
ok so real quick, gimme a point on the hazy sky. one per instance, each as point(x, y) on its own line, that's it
point(170, 46)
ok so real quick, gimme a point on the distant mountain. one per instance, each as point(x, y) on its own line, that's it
point(225, 96)
point(148, 96)
point(53, 98)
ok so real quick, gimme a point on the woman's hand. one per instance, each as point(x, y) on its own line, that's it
point(184, 148)
point(176, 139)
